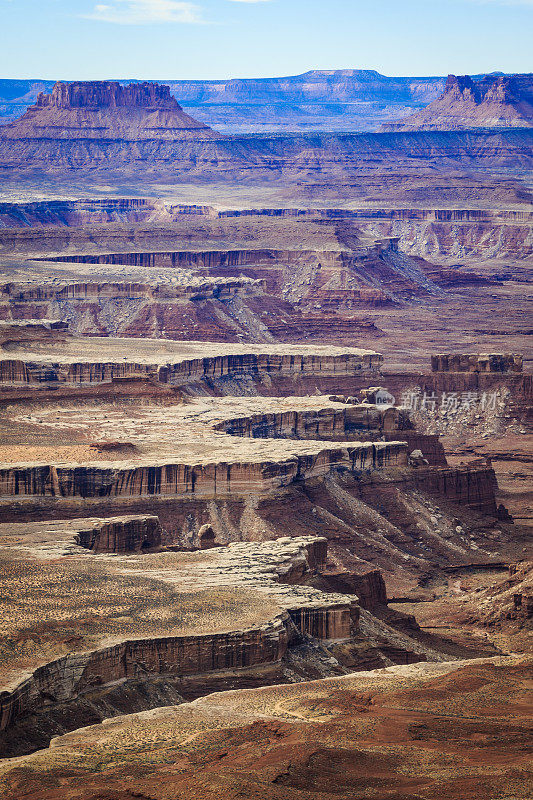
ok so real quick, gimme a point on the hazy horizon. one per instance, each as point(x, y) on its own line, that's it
point(224, 39)
point(166, 78)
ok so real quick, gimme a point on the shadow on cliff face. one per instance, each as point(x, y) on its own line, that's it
point(393, 525)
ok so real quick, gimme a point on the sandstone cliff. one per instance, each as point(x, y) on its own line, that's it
point(495, 101)
point(470, 362)
point(105, 110)
point(233, 362)
point(176, 480)
point(122, 535)
point(194, 664)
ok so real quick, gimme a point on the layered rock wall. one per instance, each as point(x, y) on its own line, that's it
point(122, 535)
point(217, 288)
point(357, 421)
point(469, 485)
point(442, 236)
point(172, 480)
point(519, 384)
point(412, 214)
point(17, 371)
point(369, 587)
point(492, 362)
point(203, 154)
point(328, 623)
point(28, 331)
point(185, 259)
point(67, 677)
point(328, 423)
point(101, 211)
point(429, 444)
point(203, 663)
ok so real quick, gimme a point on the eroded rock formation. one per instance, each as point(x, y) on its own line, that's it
point(63, 679)
point(283, 514)
point(203, 663)
point(493, 362)
point(361, 421)
point(122, 535)
point(270, 361)
point(106, 110)
point(494, 101)
point(174, 480)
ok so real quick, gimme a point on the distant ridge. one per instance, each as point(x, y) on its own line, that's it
point(351, 99)
point(141, 130)
point(495, 101)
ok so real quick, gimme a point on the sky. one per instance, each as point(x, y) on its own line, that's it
point(171, 39)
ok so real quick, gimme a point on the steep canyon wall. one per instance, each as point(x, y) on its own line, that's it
point(174, 480)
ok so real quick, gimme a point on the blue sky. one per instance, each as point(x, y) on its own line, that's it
point(95, 39)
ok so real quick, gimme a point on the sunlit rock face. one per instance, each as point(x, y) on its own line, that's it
point(504, 101)
point(106, 110)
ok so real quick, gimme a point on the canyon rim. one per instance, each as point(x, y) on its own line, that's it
point(266, 462)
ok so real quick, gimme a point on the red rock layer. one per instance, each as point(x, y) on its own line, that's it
point(172, 480)
point(494, 362)
point(469, 485)
point(66, 677)
point(122, 535)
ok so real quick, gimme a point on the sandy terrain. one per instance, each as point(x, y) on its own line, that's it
point(160, 433)
point(424, 731)
point(157, 351)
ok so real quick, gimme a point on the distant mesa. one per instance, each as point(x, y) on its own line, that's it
point(108, 94)
point(495, 101)
point(140, 129)
point(107, 110)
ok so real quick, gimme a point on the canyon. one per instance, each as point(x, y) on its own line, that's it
point(84, 132)
point(265, 438)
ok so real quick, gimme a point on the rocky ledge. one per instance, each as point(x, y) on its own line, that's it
point(132, 534)
point(209, 479)
point(214, 660)
point(84, 361)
